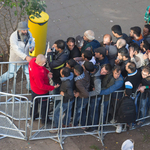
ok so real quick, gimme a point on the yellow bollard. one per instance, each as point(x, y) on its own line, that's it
point(38, 28)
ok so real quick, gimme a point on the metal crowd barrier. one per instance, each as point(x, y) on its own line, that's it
point(9, 125)
point(103, 126)
point(16, 84)
point(88, 110)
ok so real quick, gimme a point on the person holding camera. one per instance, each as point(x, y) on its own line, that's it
point(56, 60)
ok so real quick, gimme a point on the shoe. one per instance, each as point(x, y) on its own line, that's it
point(89, 130)
point(119, 128)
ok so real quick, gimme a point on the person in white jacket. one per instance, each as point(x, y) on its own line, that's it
point(21, 42)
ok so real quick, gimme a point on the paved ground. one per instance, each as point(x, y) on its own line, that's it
point(73, 17)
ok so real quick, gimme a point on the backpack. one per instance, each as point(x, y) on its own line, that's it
point(147, 15)
point(126, 112)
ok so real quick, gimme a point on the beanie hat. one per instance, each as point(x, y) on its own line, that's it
point(89, 34)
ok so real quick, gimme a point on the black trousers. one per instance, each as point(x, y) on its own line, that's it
point(43, 107)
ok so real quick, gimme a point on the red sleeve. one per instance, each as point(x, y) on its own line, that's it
point(39, 81)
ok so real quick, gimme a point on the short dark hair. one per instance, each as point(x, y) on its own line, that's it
point(148, 27)
point(135, 46)
point(60, 44)
point(71, 62)
point(136, 30)
point(132, 67)
point(146, 44)
point(117, 68)
point(117, 29)
point(66, 71)
point(124, 52)
point(129, 40)
point(71, 39)
point(88, 54)
point(79, 69)
point(108, 67)
point(147, 69)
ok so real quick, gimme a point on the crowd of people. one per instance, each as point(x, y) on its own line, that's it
point(83, 67)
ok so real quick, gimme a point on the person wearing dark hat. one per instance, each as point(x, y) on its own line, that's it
point(95, 89)
point(82, 45)
point(21, 42)
point(100, 55)
point(135, 34)
point(89, 36)
point(82, 83)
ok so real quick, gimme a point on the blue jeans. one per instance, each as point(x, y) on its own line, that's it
point(66, 108)
point(14, 68)
point(80, 108)
point(144, 104)
point(105, 110)
point(94, 106)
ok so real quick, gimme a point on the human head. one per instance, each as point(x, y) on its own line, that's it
point(144, 46)
point(107, 39)
point(116, 30)
point(59, 45)
point(79, 42)
point(40, 60)
point(71, 63)
point(135, 48)
point(145, 72)
point(128, 145)
point(89, 66)
point(89, 35)
point(135, 32)
point(123, 54)
point(78, 70)
point(23, 27)
point(105, 69)
point(100, 53)
point(87, 55)
point(65, 72)
point(130, 67)
point(146, 30)
point(116, 71)
point(121, 43)
point(70, 43)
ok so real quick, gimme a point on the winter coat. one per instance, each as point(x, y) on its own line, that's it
point(56, 62)
point(18, 49)
point(95, 82)
point(67, 87)
point(82, 84)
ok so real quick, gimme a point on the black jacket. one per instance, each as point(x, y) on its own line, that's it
point(74, 53)
point(67, 86)
point(56, 62)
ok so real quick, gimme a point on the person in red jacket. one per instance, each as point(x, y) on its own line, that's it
point(39, 81)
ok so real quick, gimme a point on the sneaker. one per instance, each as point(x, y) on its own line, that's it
point(88, 130)
point(119, 128)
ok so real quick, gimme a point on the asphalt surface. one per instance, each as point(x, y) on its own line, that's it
point(74, 17)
